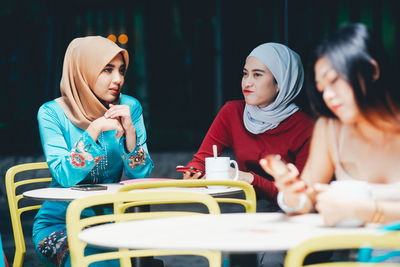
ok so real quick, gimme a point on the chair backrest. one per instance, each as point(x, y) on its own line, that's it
point(75, 223)
point(249, 203)
point(389, 240)
point(13, 203)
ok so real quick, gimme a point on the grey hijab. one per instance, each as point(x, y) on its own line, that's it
point(286, 66)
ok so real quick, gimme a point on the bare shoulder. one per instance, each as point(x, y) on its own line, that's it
point(321, 126)
point(320, 166)
point(325, 132)
point(325, 125)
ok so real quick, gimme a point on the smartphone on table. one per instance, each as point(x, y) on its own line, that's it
point(192, 170)
point(88, 187)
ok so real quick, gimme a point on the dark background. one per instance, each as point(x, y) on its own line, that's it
point(186, 55)
point(186, 61)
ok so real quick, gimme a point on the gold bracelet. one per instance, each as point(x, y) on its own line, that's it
point(377, 217)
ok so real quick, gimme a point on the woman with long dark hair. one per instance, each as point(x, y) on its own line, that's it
point(357, 136)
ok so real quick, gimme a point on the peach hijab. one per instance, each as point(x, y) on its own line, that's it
point(84, 60)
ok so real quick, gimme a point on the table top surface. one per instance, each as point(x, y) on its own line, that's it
point(68, 194)
point(230, 232)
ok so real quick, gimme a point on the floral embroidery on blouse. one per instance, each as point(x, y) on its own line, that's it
point(80, 156)
point(136, 159)
point(77, 160)
point(55, 247)
point(97, 159)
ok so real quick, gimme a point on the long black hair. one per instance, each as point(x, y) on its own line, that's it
point(351, 51)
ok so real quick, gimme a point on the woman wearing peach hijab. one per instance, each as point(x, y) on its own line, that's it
point(89, 135)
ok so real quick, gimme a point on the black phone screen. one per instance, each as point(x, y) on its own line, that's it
point(88, 187)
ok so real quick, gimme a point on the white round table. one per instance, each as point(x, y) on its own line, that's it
point(68, 194)
point(231, 232)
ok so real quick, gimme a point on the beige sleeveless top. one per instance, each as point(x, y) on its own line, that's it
point(357, 158)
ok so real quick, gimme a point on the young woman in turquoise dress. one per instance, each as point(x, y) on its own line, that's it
point(91, 134)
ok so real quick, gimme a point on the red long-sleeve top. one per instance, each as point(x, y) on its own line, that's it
point(291, 140)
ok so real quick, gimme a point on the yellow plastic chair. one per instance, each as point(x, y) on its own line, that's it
point(388, 240)
point(249, 203)
point(15, 209)
point(120, 201)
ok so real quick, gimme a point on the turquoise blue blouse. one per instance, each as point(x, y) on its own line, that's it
point(74, 157)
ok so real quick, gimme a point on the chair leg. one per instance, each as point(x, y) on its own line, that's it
point(215, 260)
point(18, 259)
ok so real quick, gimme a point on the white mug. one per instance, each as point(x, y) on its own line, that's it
point(359, 189)
point(219, 168)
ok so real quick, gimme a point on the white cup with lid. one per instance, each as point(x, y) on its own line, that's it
point(355, 188)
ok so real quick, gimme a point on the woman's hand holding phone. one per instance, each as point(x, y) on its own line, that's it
point(190, 172)
point(286, 178)
point(285, 174)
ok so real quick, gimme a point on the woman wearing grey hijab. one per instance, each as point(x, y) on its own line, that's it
point(265, 122)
